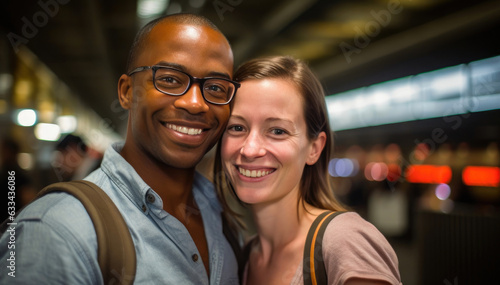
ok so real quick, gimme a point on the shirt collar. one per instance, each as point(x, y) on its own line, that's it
point(124, 175)
point(131, 184)
point(204, 192)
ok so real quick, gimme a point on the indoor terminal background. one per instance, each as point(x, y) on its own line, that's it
point(413, 92)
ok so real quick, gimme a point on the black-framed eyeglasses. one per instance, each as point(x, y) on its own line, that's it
point(171, 81)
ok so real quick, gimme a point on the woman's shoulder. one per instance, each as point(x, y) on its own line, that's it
point(353, 247)
point(350, 223)
point(351, 230)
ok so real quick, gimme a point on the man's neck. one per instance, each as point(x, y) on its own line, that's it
point(173, 185)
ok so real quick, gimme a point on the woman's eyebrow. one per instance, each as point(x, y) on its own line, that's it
point(238, 117)
point(272, 119)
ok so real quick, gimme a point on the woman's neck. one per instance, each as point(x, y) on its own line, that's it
point(283, 224)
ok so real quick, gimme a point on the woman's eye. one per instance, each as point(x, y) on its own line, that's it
point(235, 128)
point(278, 132)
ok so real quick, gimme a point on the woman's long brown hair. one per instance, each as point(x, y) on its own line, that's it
point(315, 186)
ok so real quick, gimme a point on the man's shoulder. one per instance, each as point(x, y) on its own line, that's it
point(51, 230)
point(55, 208)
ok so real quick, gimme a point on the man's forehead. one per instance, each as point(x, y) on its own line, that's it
point(188, 30)
point(187, 45)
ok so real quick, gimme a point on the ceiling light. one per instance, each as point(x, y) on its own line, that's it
point(47, 132)
point(67, 124)
point(26, 117)
point(151, 8)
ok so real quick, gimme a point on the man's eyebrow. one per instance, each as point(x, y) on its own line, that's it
point(219, 74)
point(183, 68)
point(171, 64)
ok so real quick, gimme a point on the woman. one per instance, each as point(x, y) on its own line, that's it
point(275, 153)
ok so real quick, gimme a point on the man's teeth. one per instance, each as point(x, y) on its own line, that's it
point(253, 173)
point(185, 130)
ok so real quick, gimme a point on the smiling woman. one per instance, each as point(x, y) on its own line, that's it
point(275, 153)
point(267, 134)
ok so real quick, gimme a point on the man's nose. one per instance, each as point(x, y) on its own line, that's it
point(192, 101)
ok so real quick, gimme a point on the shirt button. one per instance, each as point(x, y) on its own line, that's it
point(144, 208)
point(195, 257)
point(151, 198)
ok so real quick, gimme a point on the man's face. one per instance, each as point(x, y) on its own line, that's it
point(178, 130)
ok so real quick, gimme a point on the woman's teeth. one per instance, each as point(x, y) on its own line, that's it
point(253, 173)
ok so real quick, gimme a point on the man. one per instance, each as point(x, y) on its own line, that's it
point(172, 211)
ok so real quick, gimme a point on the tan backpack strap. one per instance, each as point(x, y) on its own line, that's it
point(115, 248)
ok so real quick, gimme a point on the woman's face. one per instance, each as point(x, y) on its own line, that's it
point(265, 146)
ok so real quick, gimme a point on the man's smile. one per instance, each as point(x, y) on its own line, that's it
point(184, 130)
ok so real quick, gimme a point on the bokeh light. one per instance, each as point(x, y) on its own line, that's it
point(47, 132)
point(376, 171)
point(26, 117)
point(443, 191)
point(343, 167)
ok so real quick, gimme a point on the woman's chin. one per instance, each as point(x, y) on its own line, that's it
point(248, 196)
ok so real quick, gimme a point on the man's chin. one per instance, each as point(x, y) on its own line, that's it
point(184, 161)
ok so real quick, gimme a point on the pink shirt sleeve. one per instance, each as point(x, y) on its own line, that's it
point(354, 248)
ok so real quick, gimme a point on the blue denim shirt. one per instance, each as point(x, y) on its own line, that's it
point(55, 241)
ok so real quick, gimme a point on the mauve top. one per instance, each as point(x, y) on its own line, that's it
point(353, 248)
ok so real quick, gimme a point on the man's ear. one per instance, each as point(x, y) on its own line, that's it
point(316, 148)
point(125, 91)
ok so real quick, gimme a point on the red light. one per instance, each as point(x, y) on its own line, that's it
point(431, 174)
point(394, 172)
point(481, 176)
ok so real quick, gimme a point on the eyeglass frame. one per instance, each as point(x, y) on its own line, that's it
point(192, 79)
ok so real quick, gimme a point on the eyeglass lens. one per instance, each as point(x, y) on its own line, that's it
point(176, 83)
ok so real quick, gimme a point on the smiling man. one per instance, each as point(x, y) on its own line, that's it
point(177, 89)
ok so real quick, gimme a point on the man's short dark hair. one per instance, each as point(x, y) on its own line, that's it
point(141, 36)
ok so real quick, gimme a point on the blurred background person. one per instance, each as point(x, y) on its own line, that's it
point(73, 159)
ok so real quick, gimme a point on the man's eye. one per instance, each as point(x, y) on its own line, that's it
point(169, 80)
point(215, 88)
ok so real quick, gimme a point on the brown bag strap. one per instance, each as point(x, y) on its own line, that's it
point(314, 271)
point(115, 248)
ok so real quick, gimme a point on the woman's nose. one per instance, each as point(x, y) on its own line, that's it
point(253, 147)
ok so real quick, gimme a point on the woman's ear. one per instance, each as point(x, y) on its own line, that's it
point(125, 91)
point(317, 146)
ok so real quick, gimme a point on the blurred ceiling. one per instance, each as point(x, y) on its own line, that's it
point(349, 44)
